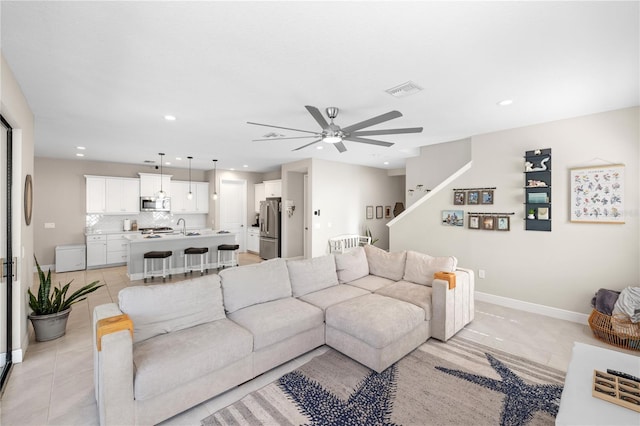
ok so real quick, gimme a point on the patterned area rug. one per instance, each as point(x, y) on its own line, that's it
point(455, 383)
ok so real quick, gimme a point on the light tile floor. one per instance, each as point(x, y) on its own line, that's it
point(54, 384)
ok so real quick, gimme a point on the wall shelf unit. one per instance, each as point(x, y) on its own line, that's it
point(537, 181)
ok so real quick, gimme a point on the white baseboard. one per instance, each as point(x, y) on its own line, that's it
point(533, 307)
point(16, 356)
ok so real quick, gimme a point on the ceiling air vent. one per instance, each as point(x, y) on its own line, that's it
point(405, 89)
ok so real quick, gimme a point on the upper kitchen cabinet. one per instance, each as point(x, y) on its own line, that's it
point(122, 195)
point(96, 194)
point(273, 188)
point(150, 184)
point(199, 202)
point(259, 195)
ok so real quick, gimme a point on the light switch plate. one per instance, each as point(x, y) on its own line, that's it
point(49, 225)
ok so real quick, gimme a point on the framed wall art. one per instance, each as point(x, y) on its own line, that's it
point(387, 212)
point(453, 217)
point(369, 212)
point(379, 212)
point(459, 198)
point(503, 223)
point(473, 197)
point(488, 222)
point(486, 196)
point(474, 222)
point(597, 194)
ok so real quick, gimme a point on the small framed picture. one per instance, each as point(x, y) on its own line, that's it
point(459, 198)
point(543, 213)
point(387, 212)
point(369, 212)
point(453, 217)
point(473, 197)
point(488, 223)
point(474, 222)
point(486, 196)
point(503, 223)
point(537, 197)
point(378, 212)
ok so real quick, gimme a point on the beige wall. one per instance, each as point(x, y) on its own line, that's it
point(562, 268)
point(16, 110)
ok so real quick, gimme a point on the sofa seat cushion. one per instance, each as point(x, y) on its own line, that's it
point(309, 275)
point(352, 265)
point(165, 308)
point(254, 284)
point(385, 264)
point(376, 320)
point(420, 267)
point(272, 322)
point(371, 282)
point(332, 295)
point(419, 295)
point(170, 360)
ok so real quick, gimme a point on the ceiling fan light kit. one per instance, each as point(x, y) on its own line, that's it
point(334, 134)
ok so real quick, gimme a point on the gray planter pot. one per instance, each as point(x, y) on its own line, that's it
point(51, 326)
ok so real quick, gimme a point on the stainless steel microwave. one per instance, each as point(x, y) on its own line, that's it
point(155, 204)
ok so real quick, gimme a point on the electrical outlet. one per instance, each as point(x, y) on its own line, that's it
point(49, 225)
point(481, 273)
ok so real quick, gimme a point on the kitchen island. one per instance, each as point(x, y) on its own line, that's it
point(139, 244)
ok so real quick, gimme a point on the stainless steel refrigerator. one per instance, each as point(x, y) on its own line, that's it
point(270, 228)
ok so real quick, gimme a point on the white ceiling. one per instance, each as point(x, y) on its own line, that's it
point(103, 74)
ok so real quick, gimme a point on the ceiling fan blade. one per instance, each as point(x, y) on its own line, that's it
point(280, 139)
point(317, 115)
point(285, 128)
point(304, 146)
point(369, 141)
point(340, 147)
point(372, 121)
point(387, 131)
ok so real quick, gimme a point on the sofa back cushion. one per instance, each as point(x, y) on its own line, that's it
point(163, 308)
point(351, 265)
point(252, 284)
point(421, 267)
point(384, 264)
point(310, 275)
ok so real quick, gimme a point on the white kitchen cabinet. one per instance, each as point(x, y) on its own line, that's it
point(96, 250)
point(150, 184)
point(202, 197)
point(117, 246)
point(96, 194)
point(199, 203)
point(259, 195)
point(122, 195)
point(253, 239)
point(273, 188)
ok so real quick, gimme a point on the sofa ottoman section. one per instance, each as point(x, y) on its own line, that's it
point(376, 330)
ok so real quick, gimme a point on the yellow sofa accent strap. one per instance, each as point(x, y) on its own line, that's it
point(449, 277)
point(111, 325)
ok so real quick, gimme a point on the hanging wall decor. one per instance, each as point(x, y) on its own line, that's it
point(597, 194)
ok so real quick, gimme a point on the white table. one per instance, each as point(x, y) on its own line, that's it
point(578, 406)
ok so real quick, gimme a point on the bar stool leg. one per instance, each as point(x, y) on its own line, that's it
point(144, 271)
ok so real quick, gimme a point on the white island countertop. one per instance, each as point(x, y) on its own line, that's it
point(191, 235)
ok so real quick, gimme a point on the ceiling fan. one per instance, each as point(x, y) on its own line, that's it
point(332, 133)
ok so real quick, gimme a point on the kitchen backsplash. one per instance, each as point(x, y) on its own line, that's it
point(111, 223)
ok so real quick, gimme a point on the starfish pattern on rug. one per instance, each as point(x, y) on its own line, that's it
point(521, 399)
point(370, 404)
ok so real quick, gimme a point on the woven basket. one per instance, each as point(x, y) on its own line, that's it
point(616, 330)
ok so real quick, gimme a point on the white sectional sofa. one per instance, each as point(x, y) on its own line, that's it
point(165, 348)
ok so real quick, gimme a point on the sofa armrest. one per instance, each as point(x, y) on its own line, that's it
point(453, 308)
point(113, 368)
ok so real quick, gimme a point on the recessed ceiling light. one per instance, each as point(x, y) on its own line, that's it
point(386, 163)
point(79, 154)
point(81, 147)
point(170, 117)
point(178, 158)
point(232, 169)
point(167, 163)
point(505, 102)
point(245, 165)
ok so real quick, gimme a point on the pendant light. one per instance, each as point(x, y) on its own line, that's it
point(161, 194)
point(215, 179)
point(190, 194)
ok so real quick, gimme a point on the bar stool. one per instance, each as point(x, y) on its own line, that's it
point(233, 258)
point(203, 252)
point(150, 256)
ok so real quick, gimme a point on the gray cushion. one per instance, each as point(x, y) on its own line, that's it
point(384, 264)
point(332, 295)
point(421, 267)
point(419, 295)
point(168, 361)
point(278, 320)
point(311, 275)
point(163, 308)
point(251, 284)
point(371, 282)
point(376, 320)
point(351, 265)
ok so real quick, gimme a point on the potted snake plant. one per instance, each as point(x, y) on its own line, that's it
point(51, 309)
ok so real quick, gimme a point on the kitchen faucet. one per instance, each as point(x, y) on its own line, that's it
point(184, 226)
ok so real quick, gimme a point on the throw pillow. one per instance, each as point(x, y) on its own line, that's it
point(309, 275)
point(421, 267)
point(163, 308)
point(351, 265)
point(385, 264)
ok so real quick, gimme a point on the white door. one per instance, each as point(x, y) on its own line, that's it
point(305, 217)
point(233, 209)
